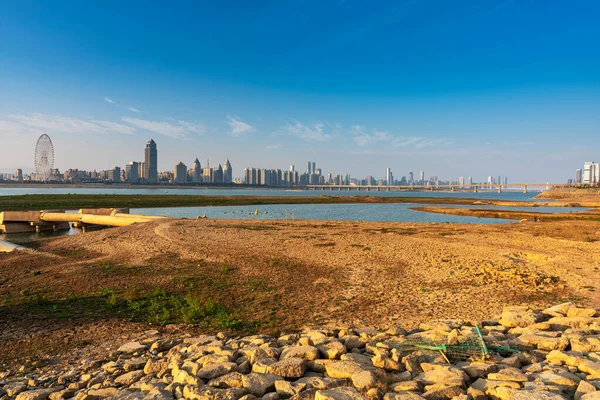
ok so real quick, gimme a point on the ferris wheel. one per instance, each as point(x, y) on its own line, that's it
point(44, 157)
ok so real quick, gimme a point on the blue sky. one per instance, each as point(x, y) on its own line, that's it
point(454, 88)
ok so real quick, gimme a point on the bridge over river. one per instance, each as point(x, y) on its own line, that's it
point(451, 187)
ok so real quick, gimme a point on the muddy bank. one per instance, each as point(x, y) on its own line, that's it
point(266, 276)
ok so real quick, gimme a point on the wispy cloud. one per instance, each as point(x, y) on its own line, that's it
point(314, 132)
point(133, 109)
point(57, 123)
point(178, 129)
point(273, 146)
point(9, 128)
point(238, 127)
point(364, 137)
point(108, 100)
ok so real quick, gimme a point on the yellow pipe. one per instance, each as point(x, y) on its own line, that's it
point(149, 217)
point(111, 221)
point(59, 217)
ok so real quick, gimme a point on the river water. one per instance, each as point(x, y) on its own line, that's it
point(396, 212)
point(113, 189)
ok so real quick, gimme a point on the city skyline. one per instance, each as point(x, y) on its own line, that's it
point(410, 87)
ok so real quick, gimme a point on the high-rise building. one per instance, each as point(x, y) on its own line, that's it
point(314, 168)
point(151, 162)
point(309, 167)
point(578, 176)
point(389, 177)
point(422, 176)
point(292, 168)
point(132, 170)
point(227, 172)
point(180, 173)
point(411, 178)
point(461, 181)
point(197, 172)
point(19, 175)
point(470, 180)
point(114, 175)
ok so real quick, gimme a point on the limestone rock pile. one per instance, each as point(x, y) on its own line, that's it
point(559, 358)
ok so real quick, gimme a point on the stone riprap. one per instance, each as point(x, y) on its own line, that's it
point(559, 358)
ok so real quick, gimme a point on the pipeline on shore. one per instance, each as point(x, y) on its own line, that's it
point(57, 220)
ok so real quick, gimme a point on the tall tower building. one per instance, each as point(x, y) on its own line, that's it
point(227, 172)
point(422, 176)
point(389, 177)
point(132, 171)
point(309, 168)
point(151, 162)
point(411, 178)
point(197, 172)
point(180, 173)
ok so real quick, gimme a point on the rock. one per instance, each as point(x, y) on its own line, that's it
point(129, 378)
point(231, 380)
point(215, 370)
point(518, 317)
point(581, 312)
point(332, 350)
point(343, 369)
point(386, 363)
point(322, 383)
point(508, 374)
point(443, 393)
point(543, 342)
point(534, 395)
point(480, 369)
point(583, 389)
point(210, 393)
point(37, 394)
point(259, 384)
point(364, 380)
point(402, 396)
point(560, 379)
point(132, 347)
point(442, 374)
point(407, 386)
point(341, 393)
point(585, 344)
point(308, 353)
point(14, 388)
point(62, 394)
point(134, 364)
point(102, 392)
point(158, 367)
point(289, 389)
point(591, 396)
point(288, 368)
point(559, 310)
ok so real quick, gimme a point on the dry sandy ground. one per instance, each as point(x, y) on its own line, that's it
point(276, 276)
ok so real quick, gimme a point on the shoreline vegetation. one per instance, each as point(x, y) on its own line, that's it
point(76, 201)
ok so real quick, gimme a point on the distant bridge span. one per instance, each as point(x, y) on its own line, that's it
point(452, 187)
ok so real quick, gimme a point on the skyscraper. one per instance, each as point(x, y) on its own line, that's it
point(578, 176)
point(151, 162)
point(411, 178)
point(422, 176)
point(389, 177)
point(197, 172)
point(227, 172)
point(180, 173)
point(132, 171)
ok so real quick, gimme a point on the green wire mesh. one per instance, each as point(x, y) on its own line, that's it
point(471, 347)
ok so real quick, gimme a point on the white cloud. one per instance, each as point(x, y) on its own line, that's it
point(308, 132)
point(238, 127)
point(363, 137)
point(133, 109)
point(175, 130)
point(9, 128)
point(111, 101)
point(273, 146)
point(60, 124)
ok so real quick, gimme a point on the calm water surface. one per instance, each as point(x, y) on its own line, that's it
point(108, 189)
